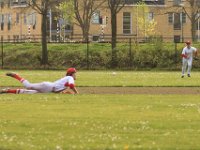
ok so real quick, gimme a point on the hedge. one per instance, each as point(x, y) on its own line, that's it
point(139, 56)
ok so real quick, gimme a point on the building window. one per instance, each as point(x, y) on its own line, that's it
point(170, 17)
point(150, 16)
point(126, 22)
point(25, 19)
point(34, 18)
point(96, 17)
point(18, 2)
point(177, 2)
point(2, 22)
point(31, 19)
point(177, 38)
point(183, 18)
point(17, 18)
point(177, 21)
point(68, 27)
point(9, 21)
point(15, 2)
point(23, 2)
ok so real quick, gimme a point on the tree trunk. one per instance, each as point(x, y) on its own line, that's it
point(44, 40)
point(193, 28)
point(85, 33)
point(114, 38)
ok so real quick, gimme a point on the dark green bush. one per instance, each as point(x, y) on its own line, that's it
point(152, 55)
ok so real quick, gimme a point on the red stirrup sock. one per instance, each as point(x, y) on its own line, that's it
point(18, 78)
point(13, 91)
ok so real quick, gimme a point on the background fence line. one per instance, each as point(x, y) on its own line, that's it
point(130, 54)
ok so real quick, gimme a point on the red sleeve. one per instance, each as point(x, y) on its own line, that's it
point(70, 85)
point(66, 84)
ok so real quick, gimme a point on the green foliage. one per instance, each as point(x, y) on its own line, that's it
point(67, 10)
point(155, 54)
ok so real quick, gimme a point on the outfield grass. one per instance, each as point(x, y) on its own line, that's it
point(99, 122)
point(107, 78)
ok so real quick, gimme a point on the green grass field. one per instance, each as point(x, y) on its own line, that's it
point(106, 78)
point(101, 122)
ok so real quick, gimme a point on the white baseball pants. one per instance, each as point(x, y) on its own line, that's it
point(43, 87)
point(186, 63)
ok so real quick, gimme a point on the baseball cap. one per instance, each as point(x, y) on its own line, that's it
point(71, 70)
point(188, 42)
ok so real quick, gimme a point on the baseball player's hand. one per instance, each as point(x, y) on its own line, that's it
point(66, 92)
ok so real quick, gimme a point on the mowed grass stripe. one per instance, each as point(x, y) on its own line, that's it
point(98, 122)
point(109, 78)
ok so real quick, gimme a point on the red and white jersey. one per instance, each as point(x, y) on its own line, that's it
point(62, 83)
point(189, 51)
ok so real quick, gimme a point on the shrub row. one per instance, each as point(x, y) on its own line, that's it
point(142, 56)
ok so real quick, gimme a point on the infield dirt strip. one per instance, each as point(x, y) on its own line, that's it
point(133, 90)
point(139, 90)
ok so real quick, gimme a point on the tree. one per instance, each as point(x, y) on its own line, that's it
point(193, 14)
point(80, 13)
point(115, 6)
point(191, 8)
point(146, 26)
point(42, 7)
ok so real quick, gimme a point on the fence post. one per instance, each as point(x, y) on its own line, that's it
point(87, 55)
point(130, 52)
point(176, 53)
point(2, 57)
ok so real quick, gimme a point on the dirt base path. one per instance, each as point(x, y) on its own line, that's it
point(139, 90)
point(135, 90)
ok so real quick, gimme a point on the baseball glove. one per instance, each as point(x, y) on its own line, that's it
point(196, 58)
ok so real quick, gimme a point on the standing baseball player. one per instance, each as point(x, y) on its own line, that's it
point(187, 57)
point(64, 85)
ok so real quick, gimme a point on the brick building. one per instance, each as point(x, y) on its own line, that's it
point(17, 22)
point(20, 23)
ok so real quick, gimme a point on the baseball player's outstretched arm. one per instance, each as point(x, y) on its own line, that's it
point(75, 90)
point(70, 91)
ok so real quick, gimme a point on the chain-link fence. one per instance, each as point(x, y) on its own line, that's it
point(128, 54)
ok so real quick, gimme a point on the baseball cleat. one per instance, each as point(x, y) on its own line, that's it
point(11, 74)
point(188, 75)
point(182, 76)
point(3, 91)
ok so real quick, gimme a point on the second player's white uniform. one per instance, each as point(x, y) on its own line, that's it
point(47, 87)
point(187, 61)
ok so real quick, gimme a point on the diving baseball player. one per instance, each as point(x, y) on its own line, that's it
point(63, 85)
